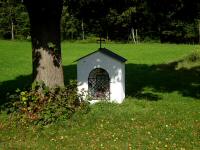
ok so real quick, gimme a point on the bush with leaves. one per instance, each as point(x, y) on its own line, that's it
point(42, 105)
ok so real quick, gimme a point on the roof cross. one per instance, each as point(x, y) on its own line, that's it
point(101, 40)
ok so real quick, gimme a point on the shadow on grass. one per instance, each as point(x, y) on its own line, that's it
point(160, 78)
point(23, 82)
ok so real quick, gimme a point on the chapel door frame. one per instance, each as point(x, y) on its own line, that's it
point(99, 84)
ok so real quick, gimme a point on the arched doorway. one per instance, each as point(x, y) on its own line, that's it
point(99, 84)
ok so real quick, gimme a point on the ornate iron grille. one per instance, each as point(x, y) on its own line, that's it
point(99, 84)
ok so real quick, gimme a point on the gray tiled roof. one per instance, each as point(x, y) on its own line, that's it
point(108, 53)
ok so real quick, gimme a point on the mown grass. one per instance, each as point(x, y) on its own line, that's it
point(162, 111)
point(166, 124)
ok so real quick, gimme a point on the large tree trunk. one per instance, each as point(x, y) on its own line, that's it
point(45, 18)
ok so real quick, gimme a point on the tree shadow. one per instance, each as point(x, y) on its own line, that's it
point(24, 81)
point(70, 73)
point(10, 86)
point(160, 78)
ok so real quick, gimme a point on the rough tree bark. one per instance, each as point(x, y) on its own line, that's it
point(45, 16)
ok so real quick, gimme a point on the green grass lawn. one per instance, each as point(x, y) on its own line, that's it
point(161, 110)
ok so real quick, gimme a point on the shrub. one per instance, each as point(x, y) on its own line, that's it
point(43, 105)
point(194, 56)
point(190, 61)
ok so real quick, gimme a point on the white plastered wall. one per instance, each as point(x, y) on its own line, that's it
point(115, 69)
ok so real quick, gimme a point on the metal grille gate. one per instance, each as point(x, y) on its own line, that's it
point(99, 84)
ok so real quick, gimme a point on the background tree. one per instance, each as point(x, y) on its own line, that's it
point(166, 21)
point(14, 22)
point(69, 25)
point(8, 12)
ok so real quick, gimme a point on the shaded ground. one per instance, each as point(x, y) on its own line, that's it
point(22, 82)
point(158, 78)
point(162, 78)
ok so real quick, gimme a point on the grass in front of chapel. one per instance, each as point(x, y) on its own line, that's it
point(160, 112)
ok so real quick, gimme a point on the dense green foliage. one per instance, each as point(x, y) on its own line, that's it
point(166, 21)
point(43, 105)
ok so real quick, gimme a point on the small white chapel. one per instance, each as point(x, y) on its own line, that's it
point(101, 75)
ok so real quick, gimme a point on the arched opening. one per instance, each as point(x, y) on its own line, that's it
point(99, 84)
